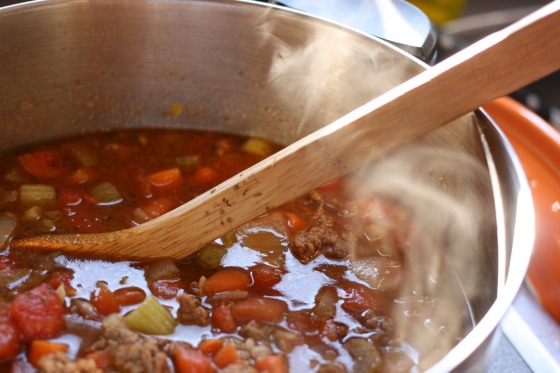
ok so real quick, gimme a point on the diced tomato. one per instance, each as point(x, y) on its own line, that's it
point(272, 364)
point(301, 321)
point(166, 179)
point(71, 196)
point(83, 175)
point(43, 164)
point(166, 289)
point(210, 346)
point(62, 278)
point(222, 318)
point(225, 356)
point(205, 176)
point(39, 349)
point(265, 275)
point(330, 330)
point(102, 358)
point(261, 309)
point(129, 296)
point(38, 313)
point(192, 361)
point(158, 206)
point(295, 222)
point(106, 302)
point(360, 298)
point(10, 337)
point(226, 280)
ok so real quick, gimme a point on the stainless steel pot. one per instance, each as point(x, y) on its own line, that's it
point(76, 66)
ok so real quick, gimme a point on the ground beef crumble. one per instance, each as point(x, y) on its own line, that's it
point(190, 311)
point(129, 351)
point(321, 239)
point(60, 363)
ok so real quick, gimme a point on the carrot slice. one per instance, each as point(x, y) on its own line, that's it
point(225, 356)
point(205, 175)
point(106, 302)
point(39, 349)
point(43, 164)
point(158, 206)
point(295, 222)
point(226, 280)
point(272, 364)
point(102, 358)
point(262, 309)
point(166, 179)
point(192, 361)
point(265, 275)
point(129, 296)
point(210, 346)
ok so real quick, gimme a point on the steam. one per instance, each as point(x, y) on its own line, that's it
point(443, 259)
point(323, 73)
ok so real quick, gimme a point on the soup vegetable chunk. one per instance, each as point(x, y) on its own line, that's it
point(309, 286)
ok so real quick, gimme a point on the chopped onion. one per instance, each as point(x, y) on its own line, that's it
point(211, 255)
point(37, 193)
point(188, 162)
point(257, 146)
point(161, 269)
point(105, 193)
point(7, 196)
point(151, 317)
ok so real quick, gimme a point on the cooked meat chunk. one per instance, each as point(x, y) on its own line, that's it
point(190, 311)
point(60, 363)
point(285, 340)
point(255, 330)
point(383, 327)
point(130, 352)
point(322, 238)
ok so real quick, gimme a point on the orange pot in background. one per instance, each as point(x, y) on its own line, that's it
point(538, 147)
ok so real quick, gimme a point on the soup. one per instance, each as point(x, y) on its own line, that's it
point(310, 286)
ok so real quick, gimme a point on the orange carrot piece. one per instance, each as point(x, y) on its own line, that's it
point(83, 175)
point(102, 358)
point(106, 302)
point(209, 346)
point(225, 356)
point(166, 179)
point(158, 206)
point(262, 309)
point(272, 364)
point(192, 361)
point(129, 296)
point(205, 175)
point(265, 275)
point(295, 222)
point(39, 348)
point(226, 280)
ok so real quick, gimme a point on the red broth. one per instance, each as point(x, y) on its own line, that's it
point(277, 294)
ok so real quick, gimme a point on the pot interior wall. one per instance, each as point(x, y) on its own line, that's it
point(75, 67)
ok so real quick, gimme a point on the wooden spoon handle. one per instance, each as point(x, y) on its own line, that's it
point(495, 66)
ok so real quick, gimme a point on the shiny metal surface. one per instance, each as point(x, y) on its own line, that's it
point(77, 66)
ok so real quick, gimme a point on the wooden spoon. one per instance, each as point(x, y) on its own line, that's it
point(497, 65)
